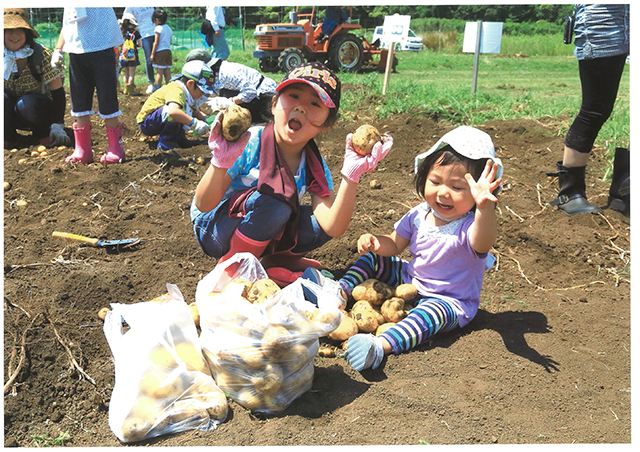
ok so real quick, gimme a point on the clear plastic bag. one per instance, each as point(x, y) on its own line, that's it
point(163, 384)
point(261, 355)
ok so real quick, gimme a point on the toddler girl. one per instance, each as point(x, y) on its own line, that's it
point(449, 235)
point(161, 56)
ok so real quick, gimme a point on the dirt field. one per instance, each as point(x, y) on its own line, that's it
point(546, 360)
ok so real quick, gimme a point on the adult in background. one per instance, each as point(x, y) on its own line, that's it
point(89, 36)
point(239, 84)
point(142, 15)
point(215, 15)
point(34, 97)
point(601, 47)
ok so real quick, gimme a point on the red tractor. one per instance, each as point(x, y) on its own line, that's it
point(282, 46)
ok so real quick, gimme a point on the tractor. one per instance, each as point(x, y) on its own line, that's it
point(282, 46)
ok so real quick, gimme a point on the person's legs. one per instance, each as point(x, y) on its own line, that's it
point(81, 89)
point(310, 237)
point(264, 220)
point(147, 46)
point(220, 47)
point(33, 112)
point(600, 79)
point(372, 266)
point(430, 317)
point(10, 122)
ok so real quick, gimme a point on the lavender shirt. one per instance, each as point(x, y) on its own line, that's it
point(444, 264)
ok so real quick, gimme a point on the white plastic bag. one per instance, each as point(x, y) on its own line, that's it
point(162, 382)
point(261, 355)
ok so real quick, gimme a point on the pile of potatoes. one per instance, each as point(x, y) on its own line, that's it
point(175, 392)
point(377, 307)
point(261, 348)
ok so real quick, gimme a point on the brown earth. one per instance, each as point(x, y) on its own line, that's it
point(546, 360)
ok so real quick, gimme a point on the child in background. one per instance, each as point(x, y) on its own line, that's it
point(449, 235)
point(129, 52)
point(172, 109)
point(161, 52)
point(249, 198)
point(89, 36)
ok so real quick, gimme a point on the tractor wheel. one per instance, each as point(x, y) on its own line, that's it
point(346, 53)
point(290, 58)
point(268, 64)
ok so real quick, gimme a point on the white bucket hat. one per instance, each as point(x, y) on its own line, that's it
point(130, 17)
point(469, 142)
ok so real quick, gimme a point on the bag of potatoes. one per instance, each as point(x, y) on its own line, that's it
point(261, 354)
point(162, 382)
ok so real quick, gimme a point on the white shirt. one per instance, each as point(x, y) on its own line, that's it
point(215, 15)
point(88, 30)
point(236, 76)
point(143, 17)
point(165, 37)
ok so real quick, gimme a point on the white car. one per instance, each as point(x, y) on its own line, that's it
point(412, 41)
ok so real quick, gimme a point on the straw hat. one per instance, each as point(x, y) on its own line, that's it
point(18, 18)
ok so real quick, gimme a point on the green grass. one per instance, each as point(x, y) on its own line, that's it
point(542, 81)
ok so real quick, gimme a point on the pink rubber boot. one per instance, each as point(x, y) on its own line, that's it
point(115, 153)
point(83, 152)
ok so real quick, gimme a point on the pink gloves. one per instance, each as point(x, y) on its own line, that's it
point(225, 153)
point(355, 165)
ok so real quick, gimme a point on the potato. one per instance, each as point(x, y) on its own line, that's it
point(195, 313)
point(249, 399)
point(236, 120)
point(262, 289)
point(299, 355)
point(238, 287)
point(408, 292)
point(161, 386)
point(252, 356)
point(218, 406)
point(326, 352)
point(102, 313)
point(328, 318)
point(277, 342)
point(230, 382)
point(300, 381)
point(364, 138)
point(393, 310)
point(146, 408)
point(364, 304)
point(162, 358)
point(372, 290)
point(348, 327)
point(191, 356)
point(134, 429)
point(269, 380)
point(384, 327)
point(276, 402)
point(366, 320)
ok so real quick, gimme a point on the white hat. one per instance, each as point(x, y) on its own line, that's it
point(130, 18)
point(469, 142)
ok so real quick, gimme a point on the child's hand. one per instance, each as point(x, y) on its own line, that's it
point(225, 153)
point(355, 165)
point(368, 243)
point(482, 190)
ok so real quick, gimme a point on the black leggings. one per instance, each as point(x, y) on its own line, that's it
point(600, 79)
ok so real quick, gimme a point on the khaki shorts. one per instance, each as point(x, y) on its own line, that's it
point(162, 59)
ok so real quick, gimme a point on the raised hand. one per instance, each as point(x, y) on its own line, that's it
point(482, 189)
point(355, 165)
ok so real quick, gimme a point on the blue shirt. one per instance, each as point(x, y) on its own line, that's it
point(601, 31)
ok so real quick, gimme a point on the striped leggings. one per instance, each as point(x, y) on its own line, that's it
point(429, 317)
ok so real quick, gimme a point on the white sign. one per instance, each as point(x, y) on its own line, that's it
point(490, 37)
point(395, 28)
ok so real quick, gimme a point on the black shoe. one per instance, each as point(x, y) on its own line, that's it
point(572, 197)
point(620, 190)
